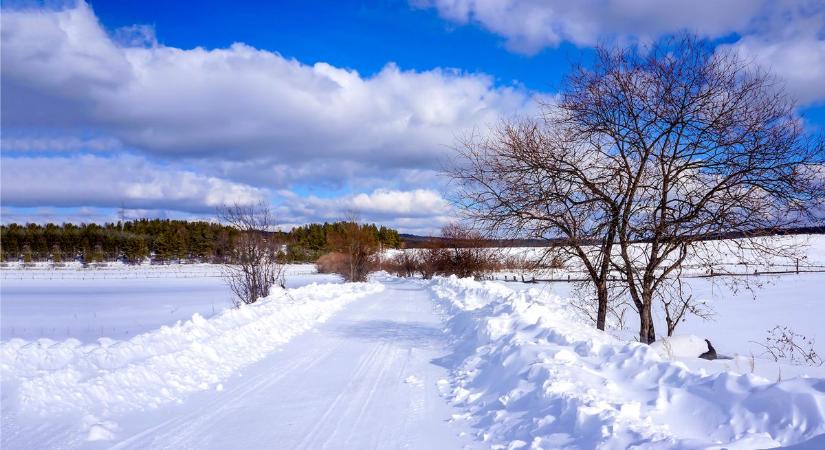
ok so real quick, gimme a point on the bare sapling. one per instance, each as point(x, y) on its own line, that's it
point(253, 267)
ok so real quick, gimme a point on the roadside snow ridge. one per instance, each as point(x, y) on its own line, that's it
point(530, 371)
point(164, 365)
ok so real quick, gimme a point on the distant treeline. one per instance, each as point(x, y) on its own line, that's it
point(415, 241)
point(159, 240)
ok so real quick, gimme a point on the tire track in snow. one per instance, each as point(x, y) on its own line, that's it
point(309, 441)
point(190, 425)
point(363, 405)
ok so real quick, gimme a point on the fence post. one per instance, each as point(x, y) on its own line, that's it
point(797, 266)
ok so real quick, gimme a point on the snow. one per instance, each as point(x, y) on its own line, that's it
point(118, 301)
point(165, 365)
point(529, 371)
point(393, 363)
point(365, 378)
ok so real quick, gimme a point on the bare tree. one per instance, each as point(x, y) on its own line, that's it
point(358, 245)
point(531, 179)
point(253, 267)
point(646, 157)
point(707, 146)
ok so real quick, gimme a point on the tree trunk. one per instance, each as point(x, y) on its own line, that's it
point(601, 313)
point(647, 333)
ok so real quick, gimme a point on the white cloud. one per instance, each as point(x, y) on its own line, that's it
point(786, 37)
point(790, 43)
point(530, 25)
point(237, 103)
point(242, 121)
point(414, 211)
point(416, 203)
point(88, 180)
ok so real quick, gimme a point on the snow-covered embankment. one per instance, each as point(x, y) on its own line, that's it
point(532, 372)
point(45, 377)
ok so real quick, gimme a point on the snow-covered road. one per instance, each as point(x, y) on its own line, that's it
point(366, 378)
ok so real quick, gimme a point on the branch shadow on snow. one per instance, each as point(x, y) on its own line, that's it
point(408, 334)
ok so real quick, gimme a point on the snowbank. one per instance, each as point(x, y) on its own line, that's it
point(162, 366)
point(531, 372)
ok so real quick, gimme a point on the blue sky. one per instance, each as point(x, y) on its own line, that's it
point(168, 109)
point(364, 36)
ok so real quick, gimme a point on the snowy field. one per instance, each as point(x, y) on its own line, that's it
point(117, 301)
point(155, 357)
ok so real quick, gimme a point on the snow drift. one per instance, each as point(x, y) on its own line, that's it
point(531, 372)
point(162, 366)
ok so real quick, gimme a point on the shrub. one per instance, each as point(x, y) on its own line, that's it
point(464, 253)
point(403, 264)
point(333, 262)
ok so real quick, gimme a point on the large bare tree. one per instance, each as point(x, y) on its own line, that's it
point(644, 156)
point(253, 267)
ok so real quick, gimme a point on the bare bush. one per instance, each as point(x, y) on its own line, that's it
point(677, 302)
point(461, 251)
point(403, 264)
point(783, 344)
point(253, 267)
point(431, 259)
point(464, 252)
point(616, 308)
point(332, 262)
point(521, 263)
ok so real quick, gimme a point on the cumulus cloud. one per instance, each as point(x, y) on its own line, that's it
point(416, 211)
point(790, 43)
point(415, 203)
point(784, 36)
point(530, 25)
point(243, 122)
point(237, 103)
point(132, 181)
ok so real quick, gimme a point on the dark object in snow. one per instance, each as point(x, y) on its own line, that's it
point(710, 354)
